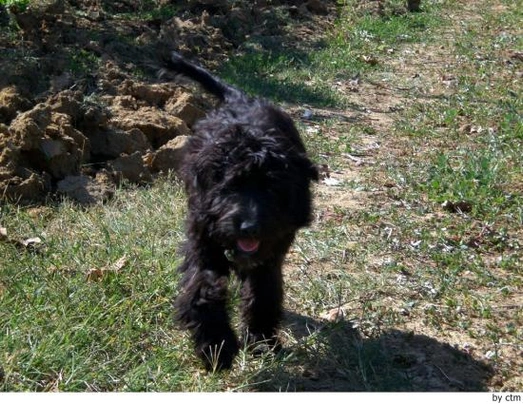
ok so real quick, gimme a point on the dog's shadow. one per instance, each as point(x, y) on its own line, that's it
point(334, 356)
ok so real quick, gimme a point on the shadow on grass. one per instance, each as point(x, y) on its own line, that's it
point(340, 359)
point(280, 75)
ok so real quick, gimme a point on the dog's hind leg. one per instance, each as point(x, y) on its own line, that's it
point(201, 308)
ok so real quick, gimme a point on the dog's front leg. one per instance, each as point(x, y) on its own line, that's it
point(262, 296)
point(201, 308)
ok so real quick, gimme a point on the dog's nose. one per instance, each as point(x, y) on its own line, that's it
point(249, 227)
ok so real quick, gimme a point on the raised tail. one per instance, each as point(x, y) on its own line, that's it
point(178, 64)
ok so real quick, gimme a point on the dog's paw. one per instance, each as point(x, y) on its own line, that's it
point(218, 356)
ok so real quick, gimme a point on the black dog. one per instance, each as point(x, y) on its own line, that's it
point(247, 177)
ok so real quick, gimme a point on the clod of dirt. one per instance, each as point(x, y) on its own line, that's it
point(169, 156)
point(66, 102)
point(132, 168)
point(184, 107)
point(110, 143)
point(195, 33)
point(40, 146)
point(158, 126)
point(24, 185)
point(154, 95)
point(126, 102)
point(29, 127)
point(48, 142)
point(64, 147)
point(10, 103)
point(9, 154)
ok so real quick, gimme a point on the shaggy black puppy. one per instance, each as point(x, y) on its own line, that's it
point(247, 176)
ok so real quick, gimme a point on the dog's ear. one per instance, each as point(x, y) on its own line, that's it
point(201, 173)
point(313, 171)
point(191, 177)
point(194, 182)
point(195, 179)
point(306, 166)
point(299, 199)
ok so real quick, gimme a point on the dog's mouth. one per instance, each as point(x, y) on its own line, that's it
point(248, 245)
point(245, 248)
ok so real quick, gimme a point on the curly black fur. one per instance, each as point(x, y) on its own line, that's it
point(247, 177)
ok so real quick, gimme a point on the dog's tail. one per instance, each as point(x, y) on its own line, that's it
point(226, 93)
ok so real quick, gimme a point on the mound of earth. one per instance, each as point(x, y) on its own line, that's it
point(81, 104)
point(127, 134)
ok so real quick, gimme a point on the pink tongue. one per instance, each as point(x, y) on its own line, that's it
point(248, 244)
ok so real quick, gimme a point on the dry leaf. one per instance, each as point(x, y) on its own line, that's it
point(371, 60)
point(336, 314)
point(94, 274)
point(331, 182)
point(32, 242)
point(28, 243)
point(122, 262)
point(516, 55)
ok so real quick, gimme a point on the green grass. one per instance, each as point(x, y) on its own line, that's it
point(82, 61)
point(72, 333)
point(20, 4)
point(431, 298)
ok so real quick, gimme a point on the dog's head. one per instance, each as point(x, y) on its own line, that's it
point(249, 191)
